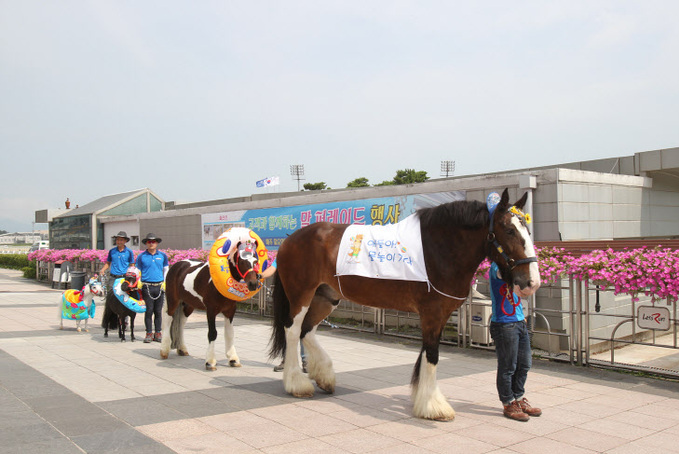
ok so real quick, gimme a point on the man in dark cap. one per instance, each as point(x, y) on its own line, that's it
point(153, 265)
point(119, 258)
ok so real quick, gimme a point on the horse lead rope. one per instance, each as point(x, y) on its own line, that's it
point(429, 284)
point(429, 287)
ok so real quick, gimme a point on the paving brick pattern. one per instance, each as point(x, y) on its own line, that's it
point(70, 392)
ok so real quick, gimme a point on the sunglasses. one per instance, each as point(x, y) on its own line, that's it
point(151, 241)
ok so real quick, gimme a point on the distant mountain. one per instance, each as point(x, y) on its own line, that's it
point(12, 225)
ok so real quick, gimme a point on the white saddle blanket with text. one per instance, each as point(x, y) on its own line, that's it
point(392, 251)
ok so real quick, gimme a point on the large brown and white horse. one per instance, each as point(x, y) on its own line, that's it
point(456, 237)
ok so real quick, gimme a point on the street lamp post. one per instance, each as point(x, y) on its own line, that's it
point(297, 170)
point(447, 168)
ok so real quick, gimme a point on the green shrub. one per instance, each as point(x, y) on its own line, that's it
point(15, 261)
point(29, 272)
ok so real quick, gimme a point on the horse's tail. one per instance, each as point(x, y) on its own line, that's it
point(110, 318)
point(415, 379)
point(176, 326)
point(281, 314)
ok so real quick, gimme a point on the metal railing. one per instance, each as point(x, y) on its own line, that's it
point(568, 321)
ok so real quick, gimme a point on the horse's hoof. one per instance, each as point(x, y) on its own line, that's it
point(78, 329)
point(61, 327)
point(105, 334)
point(87, 330)
point(234, 363)
point(182, 352)
point(210, 367)
point(443, 418)
point(327, 387)
point(122, 340)
point(304, 395)
point(164, 355)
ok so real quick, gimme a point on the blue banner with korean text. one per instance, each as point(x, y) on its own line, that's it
point(273, 225)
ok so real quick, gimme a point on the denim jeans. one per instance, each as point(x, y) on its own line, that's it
point(154, 299)
point(512, 346)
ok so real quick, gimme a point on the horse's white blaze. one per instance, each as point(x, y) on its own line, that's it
point(294, 380)
point(529, 249)
point(230, 348)
point(428, 401)
point(190, 279)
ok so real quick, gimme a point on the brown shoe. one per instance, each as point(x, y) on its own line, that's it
point(148, 338)
point(527, 409)
point(513, 411)
point(158, 337)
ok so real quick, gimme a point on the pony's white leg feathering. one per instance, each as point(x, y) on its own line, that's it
point(210, 359)
point(166, 340)
point(294, 380)
point(428, 401)
point(229, 345)
point(181, 346)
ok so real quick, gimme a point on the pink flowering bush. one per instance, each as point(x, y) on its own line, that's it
point(99, 255)
point(652, 272)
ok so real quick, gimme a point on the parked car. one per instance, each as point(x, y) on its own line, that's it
point(39, 245)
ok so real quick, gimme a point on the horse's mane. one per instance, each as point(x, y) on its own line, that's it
point(466, 214)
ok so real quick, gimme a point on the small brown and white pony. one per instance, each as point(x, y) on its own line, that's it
point(188, 287)
point(77, 305)
point(456, 237)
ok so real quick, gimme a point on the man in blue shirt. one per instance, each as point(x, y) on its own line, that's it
point(153, 265)
point(119, 258)
point(512, 346)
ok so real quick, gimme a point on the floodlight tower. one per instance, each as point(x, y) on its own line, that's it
point(447, 168)
point(297, 171)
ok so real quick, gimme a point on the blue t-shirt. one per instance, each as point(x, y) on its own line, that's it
point(506, 305)
point(151, 266)
point(120, 261)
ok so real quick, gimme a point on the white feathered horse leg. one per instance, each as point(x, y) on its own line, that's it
point(294, 380)
point(229, 345)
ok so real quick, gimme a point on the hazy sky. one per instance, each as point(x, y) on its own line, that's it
point(198, 100)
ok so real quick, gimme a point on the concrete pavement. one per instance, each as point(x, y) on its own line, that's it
point(70, 392)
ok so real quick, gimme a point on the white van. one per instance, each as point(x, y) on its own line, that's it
point(44, 244)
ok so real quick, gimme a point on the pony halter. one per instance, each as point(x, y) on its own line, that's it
point(247, 251)
point(524, 218)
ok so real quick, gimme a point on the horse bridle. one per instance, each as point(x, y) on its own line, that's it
point(511, 263)
point(254, 268)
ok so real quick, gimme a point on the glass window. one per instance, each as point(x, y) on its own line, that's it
point(72, 232)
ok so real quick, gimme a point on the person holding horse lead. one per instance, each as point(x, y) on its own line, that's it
point(153, 265)
point(119, 258)
point(510, 334)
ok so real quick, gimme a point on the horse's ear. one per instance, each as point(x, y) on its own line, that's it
point(504, 202)
point(522, 201)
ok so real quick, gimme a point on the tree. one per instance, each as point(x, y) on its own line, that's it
point(409, 176)
point(358, 183)
point(386, 183)
point(315, 186)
